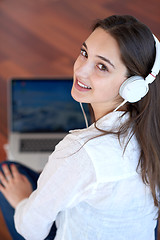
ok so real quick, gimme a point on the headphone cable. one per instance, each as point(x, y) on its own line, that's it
point(84, 114)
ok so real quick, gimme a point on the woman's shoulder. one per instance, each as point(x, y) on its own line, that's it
point(94, 133)
point(75, 139)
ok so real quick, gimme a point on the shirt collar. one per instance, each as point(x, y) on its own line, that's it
point(112, 120)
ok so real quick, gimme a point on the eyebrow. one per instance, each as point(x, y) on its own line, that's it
point(102, 58)
point(106, 60)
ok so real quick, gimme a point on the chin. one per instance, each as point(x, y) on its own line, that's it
point(74, 96)
point(78, 97)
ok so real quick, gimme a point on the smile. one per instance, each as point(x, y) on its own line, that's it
point(82, 85)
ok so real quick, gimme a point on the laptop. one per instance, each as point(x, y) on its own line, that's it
point(41, 112)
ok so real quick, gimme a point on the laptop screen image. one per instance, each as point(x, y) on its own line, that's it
point(44, 106)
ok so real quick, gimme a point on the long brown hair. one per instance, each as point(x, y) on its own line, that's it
point(137, 47)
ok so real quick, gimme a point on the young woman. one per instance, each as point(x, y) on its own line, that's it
point(101, 182)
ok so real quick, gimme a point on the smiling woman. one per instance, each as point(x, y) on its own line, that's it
point(105, 178)
point(100, 69)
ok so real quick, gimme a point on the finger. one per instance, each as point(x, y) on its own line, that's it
point(2, 188)
point(3, 179)
point(8, 177)
point(7, 172)
point(14, 171)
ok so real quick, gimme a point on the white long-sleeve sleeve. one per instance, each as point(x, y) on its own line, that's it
point(64, 181)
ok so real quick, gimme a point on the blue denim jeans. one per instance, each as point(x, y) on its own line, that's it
point(8, 210)
point(156, 232)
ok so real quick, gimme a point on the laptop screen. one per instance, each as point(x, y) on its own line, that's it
point(44, 105)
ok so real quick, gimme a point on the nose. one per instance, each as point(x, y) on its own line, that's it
point(82, 69)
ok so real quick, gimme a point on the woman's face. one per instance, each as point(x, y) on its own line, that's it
point(98, 73)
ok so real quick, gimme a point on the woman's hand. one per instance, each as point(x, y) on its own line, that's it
point(14, 186)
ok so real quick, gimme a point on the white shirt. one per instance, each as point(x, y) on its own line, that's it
point(92, 189)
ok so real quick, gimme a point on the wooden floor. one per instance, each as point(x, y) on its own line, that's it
point(4, 234)
point(43, 38)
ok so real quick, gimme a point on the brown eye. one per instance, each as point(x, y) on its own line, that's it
point(102, 67)
point(83, 53)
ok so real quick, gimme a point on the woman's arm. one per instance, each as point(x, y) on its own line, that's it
point(62, 184)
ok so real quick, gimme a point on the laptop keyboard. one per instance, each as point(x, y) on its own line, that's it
point(38, 145)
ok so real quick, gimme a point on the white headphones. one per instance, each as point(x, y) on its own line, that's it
point(136, 87)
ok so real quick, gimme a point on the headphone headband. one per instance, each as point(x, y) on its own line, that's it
point(136, 87)
point(156, 67)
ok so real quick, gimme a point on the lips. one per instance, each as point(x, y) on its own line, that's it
point(81, 86)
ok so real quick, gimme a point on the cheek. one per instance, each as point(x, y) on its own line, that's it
point(117, 81)
point(109, 88)
point(76, 65)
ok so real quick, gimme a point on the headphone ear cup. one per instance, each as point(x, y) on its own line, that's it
point(133, 89)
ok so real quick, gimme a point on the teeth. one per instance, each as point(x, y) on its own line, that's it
point(82, 85)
